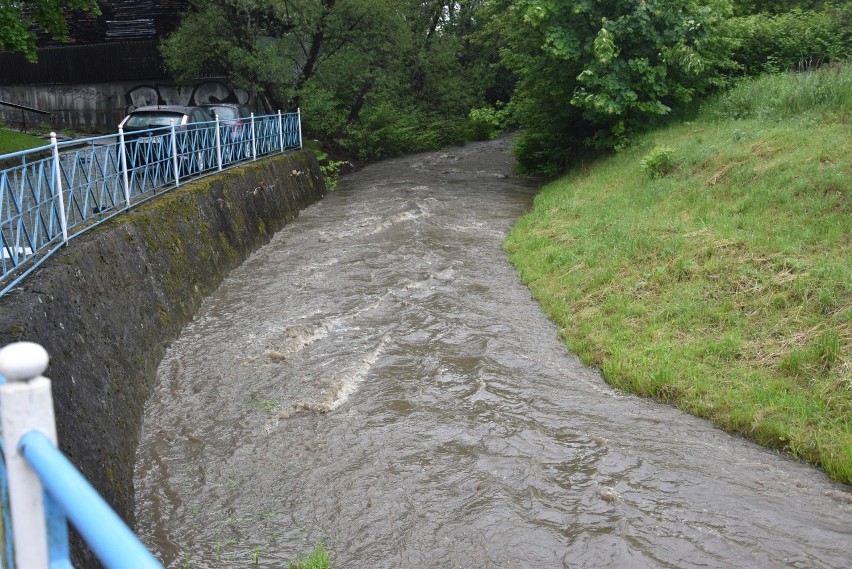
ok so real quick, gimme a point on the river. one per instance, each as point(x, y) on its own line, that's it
point(378, 379)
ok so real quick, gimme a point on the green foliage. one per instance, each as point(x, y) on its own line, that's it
point(18, 18)
point(659, 163)
point(388, 130)
point(318, 559)
point(799, 96)
point(596, 72)
point(373, 77)
point(792, 40)
point(486, 123)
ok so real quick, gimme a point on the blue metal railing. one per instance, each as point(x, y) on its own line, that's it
point(41, 490)
point(52, 193)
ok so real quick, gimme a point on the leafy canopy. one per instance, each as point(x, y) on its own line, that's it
point(594, 71)
point(17, 17)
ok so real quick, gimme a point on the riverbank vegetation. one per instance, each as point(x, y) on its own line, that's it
point(708, 264)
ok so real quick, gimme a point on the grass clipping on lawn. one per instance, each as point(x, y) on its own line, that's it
point(708, 265)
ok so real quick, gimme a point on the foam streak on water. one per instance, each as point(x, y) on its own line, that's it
point(378, 378)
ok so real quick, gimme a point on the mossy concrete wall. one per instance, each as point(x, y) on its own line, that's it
point(106, 306)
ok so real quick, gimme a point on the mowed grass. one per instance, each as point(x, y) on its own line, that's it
point(12, 141)
point(725, 286)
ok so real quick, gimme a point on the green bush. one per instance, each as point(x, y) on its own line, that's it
point(660, 162)
point(794, 40)
point(387, 130)
point(485, 123)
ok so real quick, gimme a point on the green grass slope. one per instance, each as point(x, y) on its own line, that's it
point(12, 141)
point(709, 265)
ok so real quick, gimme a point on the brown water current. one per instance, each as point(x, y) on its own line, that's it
point(378, 379)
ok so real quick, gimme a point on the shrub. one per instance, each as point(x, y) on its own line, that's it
point(659, 163)
point(794, 40)
point(485, 123)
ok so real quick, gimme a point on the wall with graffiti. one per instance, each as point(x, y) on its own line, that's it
point(100, 107)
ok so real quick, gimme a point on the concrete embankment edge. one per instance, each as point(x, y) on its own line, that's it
point(107, 306)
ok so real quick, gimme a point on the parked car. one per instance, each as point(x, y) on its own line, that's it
point(237, 142)
point(230, 113)
point(145, 146)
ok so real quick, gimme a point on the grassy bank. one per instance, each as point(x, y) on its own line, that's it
point(13, 141)
point(709, 265)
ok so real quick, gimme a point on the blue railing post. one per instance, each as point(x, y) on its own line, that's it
point(299, 120)
point(175, 154)
point(253, 140)
point(43, 485)
point(280, 131)
point(57, 183)
point(218, 144)
point(122, 150)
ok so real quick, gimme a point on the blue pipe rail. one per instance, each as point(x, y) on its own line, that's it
point(56, 192)
point(40, 490)
point(104, 531)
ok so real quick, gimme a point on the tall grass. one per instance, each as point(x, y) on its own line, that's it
point(724, 285)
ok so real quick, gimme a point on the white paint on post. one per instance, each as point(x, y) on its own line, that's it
point(218, 145)
point(299, 120)
point(123, 151)
point(280, 130)
point(57, 178)
point(174, 154)
point(26, 405)
point(253, 140)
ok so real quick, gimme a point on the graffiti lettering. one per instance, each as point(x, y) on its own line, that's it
point(203, 93)
point(82, 94)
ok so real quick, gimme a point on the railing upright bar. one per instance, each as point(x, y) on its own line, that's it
point(44, 487)
point(25, 404)
point(123, 151)
point(253, 140)
point(57, 183)
point(299, 120)
point(218, 144)
point(175, 155)
point(281, 131)
point(104, 531)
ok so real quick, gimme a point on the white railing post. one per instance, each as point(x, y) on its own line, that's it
point(253, 140)
point(218, 145)
point(123, 151)
point(299, 120)
point(26, 405)
point(175, 155)
point(280, 130)
point(57, 180)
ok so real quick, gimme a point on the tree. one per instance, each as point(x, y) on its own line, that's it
point(275, 46)
point(18, 17)
point(592, 72)
point(377, 77)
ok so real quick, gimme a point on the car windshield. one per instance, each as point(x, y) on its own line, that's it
point(225, 112)
point(153, 119)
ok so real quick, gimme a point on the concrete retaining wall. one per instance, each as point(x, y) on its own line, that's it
point(99, 107)
point(107, 306)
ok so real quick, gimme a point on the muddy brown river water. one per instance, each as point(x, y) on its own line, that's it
point(378, 379)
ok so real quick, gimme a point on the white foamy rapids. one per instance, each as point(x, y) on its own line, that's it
point(296, 338)
point(345, 385)
point(371, 226)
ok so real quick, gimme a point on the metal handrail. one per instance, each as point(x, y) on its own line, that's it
point(105, 533)
point(41, 489)
point(56, 192)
